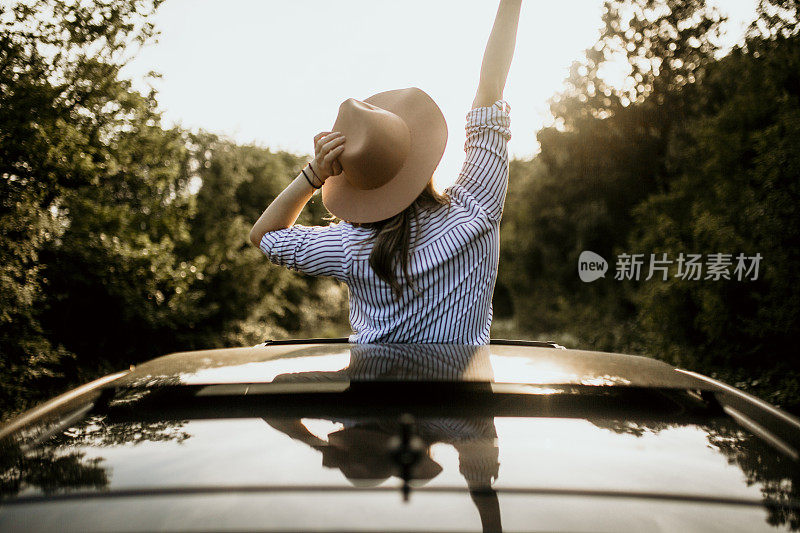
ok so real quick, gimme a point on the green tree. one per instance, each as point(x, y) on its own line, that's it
point(603, 156)
point(246, 299)
point(57, 60)
point(117, 290)
point(738, 191)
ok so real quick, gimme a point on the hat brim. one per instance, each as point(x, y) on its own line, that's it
point(361, 453)
point(428, 140)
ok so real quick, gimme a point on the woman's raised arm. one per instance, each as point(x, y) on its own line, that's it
point(284, 210)
point(498, 54)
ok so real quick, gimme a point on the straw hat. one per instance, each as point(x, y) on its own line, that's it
point(395, 140)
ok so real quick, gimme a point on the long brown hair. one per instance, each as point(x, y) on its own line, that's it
point(392, 238)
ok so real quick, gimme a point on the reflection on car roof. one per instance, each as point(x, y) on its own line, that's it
point(344, 362)
point(564, 439)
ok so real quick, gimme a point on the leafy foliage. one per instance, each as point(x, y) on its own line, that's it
point(604, 155)
point(109, 253)
point(692, 154)
point(122, 239)
point(58, 86)
point(738, 191)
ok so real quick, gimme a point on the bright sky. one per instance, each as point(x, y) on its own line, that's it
point(274, 73)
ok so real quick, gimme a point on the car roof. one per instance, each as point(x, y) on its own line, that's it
point(294, 435)
point(337, 360)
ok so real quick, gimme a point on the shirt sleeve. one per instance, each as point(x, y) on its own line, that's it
point(314, 250)
point(485, 172)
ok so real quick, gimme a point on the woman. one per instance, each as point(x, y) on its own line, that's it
point(420, 266)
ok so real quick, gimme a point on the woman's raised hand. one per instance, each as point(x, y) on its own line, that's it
point(498, 54)
point(328, 146)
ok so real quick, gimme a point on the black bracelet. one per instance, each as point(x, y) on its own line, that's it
point(308, 180)
point(315, 174)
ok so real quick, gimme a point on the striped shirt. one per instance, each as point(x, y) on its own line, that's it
point(453, 259)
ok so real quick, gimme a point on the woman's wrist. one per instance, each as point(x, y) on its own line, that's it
point(317, 173)
point(308, 175)
point(327, 149)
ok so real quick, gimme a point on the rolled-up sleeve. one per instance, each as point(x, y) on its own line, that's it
point(314, 250)
point(485, 171)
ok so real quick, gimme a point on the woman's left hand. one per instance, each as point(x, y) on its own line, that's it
point(328, 146)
